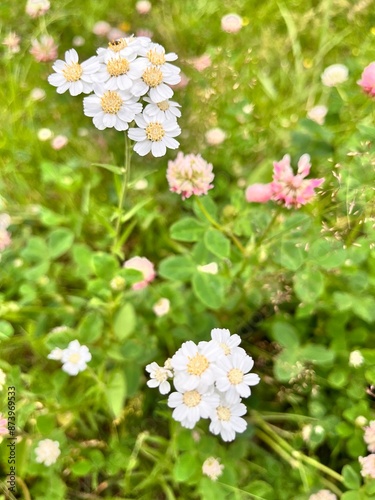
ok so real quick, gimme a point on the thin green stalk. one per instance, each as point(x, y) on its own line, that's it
point(266, 231)
point(235, 240)
point(124, 189)
point(318, 465)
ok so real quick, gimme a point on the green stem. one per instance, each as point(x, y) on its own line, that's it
point(266, 231)
point(234, 238)
point(124, 189)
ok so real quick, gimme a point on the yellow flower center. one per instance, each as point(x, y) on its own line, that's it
point(111, 102)
point(223, 413)
point(225, 348)
point(155, 132)
point(155, 57)
point(197, 365)
point(118, 45)
point(74, 358)
point(72, 72)
point(118, 66)
point(163, 105)
point(191, 398)
point(235, 376)
point(152, 76)
point(160, 375)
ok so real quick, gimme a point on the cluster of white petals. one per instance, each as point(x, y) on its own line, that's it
point(74, 358)
point(129, 81)
point(210, 380)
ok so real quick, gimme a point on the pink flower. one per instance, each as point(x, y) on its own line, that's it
point(143, 265)
point(36, 8)
point(369, 436)
point(202, 62)
point(367, 81)
point(189, 174)
point(231, 23)
point(293, 190)
point(368, 465)
point(12, 41)
point(259, 193)
point(59, 142)
point(101, 28)
point(3, 425)
point(143, 7)
point(44, 50)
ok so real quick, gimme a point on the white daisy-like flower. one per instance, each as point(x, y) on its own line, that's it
point(334, 75)
point(154, 135)
point(159, 377)
point(227, 342)
point(56, 354)
point(119, 71)
point(190, 406)
point(47, 452)
point(73, 76)
point(167, 109)
point(75, 357)
point(156, 80)
point(124, 46)
point(154, 55)
point(194, 365)
point(226, 419)
point(111, 108)
point(233, 377)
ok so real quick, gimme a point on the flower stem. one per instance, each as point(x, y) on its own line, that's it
point(235, 240)
point(266, 231)
point(124, 189)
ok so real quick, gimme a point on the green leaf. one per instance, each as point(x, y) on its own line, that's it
point(290, 256)
point(317, 354)
point(105, 265)
point(111, 168)
point(209, 289)
point(81, 467)
point(217, 243)
point(6, 330)
point(187, 229)
point(125, 322)
point(364, 308)
point(91, 327)
point(343, 301)
point(82, 256)
point(59, 242)
point(351, 478)
point(116, 392)
point(209, 206)
point(36, 250)
point(285, 334)
point(308, 285)
point(177, 267)
point(286, 366)
point(327, 253)
point(186, 466)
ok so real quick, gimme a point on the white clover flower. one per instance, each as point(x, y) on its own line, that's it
point(44, 134)
point(36, 8)
point(233, 377)
point(360, 421)
point(215, 136)
point(3, 378)
point(156, 80)
point(226, 419)
point(323, 495)
point(161, 307)
point(228, 343)
point(306, 432)
point(159, 377)
point(167, 110)
point(334, 75)
point(211, 268)
point(356, 359)
point(368, 465)
point(111, 108)
point(75, 357)
point(369, 436)
point(318, 114)
point(56, 354)
point(192, 405)
point(72, 76)
point(47, 452)
point(195, 364)
point(154, 136)
point(119, 71)
point(212, 468)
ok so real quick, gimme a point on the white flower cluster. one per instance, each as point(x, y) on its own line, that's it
point(73, 358)
point(128, 70)
point(210, 379)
